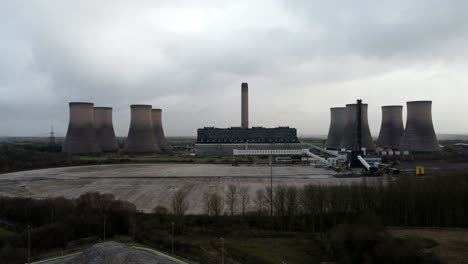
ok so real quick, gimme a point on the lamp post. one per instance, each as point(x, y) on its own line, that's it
point(172, 239)
point(29, 244)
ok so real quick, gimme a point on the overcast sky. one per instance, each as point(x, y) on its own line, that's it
point(300, 57)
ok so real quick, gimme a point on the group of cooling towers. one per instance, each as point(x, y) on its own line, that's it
point(90, 130)
point(417, 136)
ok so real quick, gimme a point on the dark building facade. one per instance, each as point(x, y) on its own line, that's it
point(212, 135)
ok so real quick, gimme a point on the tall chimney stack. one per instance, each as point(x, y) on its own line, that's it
point(245, 105)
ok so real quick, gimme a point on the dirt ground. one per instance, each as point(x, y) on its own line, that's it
point(452, 244)
point(151, 185)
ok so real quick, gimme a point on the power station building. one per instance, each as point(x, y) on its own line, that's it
point(81, 133)
point(213, 141)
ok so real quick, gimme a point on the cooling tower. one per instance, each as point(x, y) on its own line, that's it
point(419, 133)
point(140, 135)
point(391, 129)
point(105, 129)
point(245, 105)
point(349, 140)
point(81, 135)
point(337, 125)
point(158, 129)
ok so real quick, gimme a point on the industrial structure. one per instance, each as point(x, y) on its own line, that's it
point(391, 130)
point(245, 105)
point(158, 129)
point(419, 135)
point(141, 134)
point(105, 134)
point(337, 125)
point(81, 135)
point(213, 141)
point(357, 134)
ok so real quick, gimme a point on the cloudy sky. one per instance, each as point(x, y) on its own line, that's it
point(300, 57)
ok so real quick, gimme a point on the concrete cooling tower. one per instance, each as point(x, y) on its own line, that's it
point(105, 129)
point(349, 139)
point(391, 130)
point(337, 125)
point(140, 135)
point(81, 135)
point(419, 133)
point(158, 129)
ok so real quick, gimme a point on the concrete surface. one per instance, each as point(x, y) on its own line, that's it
point(150, 185)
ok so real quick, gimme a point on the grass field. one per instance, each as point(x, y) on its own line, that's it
point(452, 244)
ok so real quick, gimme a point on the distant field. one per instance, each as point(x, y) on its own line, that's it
point(452, 243)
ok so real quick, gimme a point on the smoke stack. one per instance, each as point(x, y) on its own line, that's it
point(391, 130)
point(140, 135)
point(81, 135)
point(245, 105)
point(419, 133)
point(105, 129)
point(158, 129)
point(337, 126)
point(350, 139)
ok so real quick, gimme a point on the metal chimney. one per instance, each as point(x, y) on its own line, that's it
point(81, 135)
point(391, 130)
point(337, 126)
point(419, 133)
point(245, 105)
point(158, 129)
point(140, 135)
point(350, 139)
point(105, 129)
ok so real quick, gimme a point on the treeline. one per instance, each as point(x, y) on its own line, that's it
point(55, 224)
point(436, 201)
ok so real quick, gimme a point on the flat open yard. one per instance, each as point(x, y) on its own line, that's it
point(150, 185)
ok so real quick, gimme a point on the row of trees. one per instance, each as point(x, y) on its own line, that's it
point(407, 201)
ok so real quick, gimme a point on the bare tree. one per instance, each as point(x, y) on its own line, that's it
point(179, 202)
point(244, 197)
point(216, 204)
point(260, 201)
point(292, 201)
point(231, 198)
point(279, 200)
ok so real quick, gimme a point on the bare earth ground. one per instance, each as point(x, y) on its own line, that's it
point(452, 243)
point(150, 185)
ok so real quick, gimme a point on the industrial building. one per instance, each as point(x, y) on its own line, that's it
point(391, 129)
point(213, 141)
point(351, 139)
point(81, 133)
point(141, 134)
point(419, 135)
point(337, 125)
point(104, 127)
point(158, 129)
